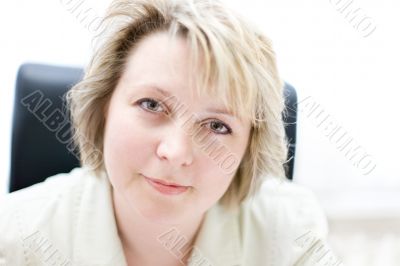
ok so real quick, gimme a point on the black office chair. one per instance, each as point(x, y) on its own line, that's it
point(290, 121)
point(41, 139)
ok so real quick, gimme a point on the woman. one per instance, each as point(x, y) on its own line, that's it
point(178, 123)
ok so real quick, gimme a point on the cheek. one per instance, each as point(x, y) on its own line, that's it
point(126, 147)
point(217, 172)
point(212, 181)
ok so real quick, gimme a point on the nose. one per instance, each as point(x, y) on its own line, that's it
point(176, 147)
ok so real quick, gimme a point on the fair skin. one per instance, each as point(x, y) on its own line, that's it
point(141, 140)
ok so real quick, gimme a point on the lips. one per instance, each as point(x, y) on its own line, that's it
point(166, 188)
point(165, 183)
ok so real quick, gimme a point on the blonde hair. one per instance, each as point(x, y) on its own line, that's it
point(237, 59)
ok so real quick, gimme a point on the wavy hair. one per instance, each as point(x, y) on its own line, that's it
point(237, 58)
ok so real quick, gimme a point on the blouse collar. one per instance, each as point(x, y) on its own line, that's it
point(97, 241)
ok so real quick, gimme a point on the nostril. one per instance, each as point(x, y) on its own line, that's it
point(175, 152)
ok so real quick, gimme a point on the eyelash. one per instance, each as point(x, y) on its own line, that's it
point(228, 129)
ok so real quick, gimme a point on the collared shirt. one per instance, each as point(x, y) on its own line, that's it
point(69, 220)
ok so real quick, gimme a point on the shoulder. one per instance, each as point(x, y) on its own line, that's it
point(54, 189)
point(29, 216)
point(292, 204)
point(285, 217)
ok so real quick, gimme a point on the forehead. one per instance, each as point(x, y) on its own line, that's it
point(158, 51)
point(158, 59)
point(162, 65)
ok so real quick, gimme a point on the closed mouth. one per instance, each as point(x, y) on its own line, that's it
point(165, 183)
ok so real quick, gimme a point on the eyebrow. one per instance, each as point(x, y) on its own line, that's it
point(220, 111)
point(163, 92)
point(211, 109)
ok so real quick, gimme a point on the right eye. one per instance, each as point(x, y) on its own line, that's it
point(151, 105)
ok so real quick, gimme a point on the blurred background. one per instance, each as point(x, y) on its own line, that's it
point(343, 58)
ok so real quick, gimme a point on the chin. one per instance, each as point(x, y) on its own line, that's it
point(161, 215)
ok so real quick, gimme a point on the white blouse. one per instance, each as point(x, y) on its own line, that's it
point(69, 220)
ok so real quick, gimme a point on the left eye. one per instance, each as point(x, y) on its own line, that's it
point(151, 105)
point(217, 126)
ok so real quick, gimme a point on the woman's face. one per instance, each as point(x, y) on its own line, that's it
point(147, 137)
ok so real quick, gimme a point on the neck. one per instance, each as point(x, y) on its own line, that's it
point(152, 243)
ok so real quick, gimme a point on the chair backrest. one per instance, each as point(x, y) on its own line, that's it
point(290, 121)
point(41, 140)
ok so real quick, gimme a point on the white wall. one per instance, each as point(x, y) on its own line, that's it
point(354, 80)
point(38, 31)
point(352, 77)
